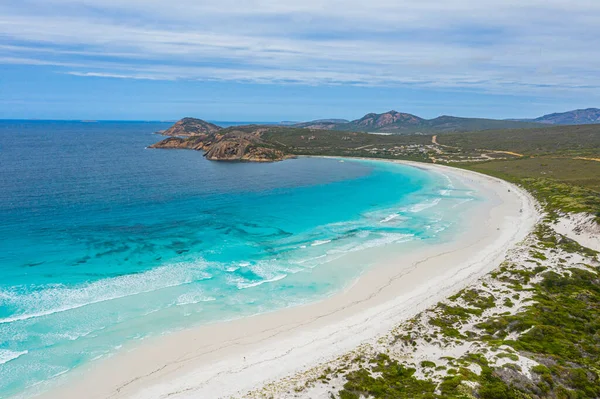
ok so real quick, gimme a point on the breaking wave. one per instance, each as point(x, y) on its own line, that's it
point(7, 355)
point(61, 298)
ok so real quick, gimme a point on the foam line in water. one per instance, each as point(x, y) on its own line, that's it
point(242, 285)
point(463, 201)
point(384, 239)
point(424, 205)
point(389, 218)
point(302, 261)
point(193, 298)
point(59, 298)
point(6, 355)
point(319, 242)
point(380, 240)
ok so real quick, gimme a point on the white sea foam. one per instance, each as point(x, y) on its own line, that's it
point(352, 245)
point(449, 181)
point(243, 285)
point(306, 260)
point(439, 229)
point(60, 373)
point(6, 355)
point(193, 298)
point(96, 357)
point(381, 240)
point(385, 239)
point(424, 205)
point(59, 298)
point(74, 335)
point(293, 270)
point(459, 203)
point(319, 242)
point(389, 218)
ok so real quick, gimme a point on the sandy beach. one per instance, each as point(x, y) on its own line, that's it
point(230, 358)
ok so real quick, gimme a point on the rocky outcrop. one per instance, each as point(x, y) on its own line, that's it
point(188, 127)
point(369, 122)
point(387, 119)
point(243, 150)
point(180, 143)
point(230, 144)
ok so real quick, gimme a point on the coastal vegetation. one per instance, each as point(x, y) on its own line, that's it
point(561, 151)
point(545, 306)
point(579, 140)
point(531, 328)
point(559, 165)
point(289, 141)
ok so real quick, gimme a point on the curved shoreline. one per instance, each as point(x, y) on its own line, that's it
point(228, 358)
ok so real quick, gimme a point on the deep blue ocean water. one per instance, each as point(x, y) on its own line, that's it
point(103, 241)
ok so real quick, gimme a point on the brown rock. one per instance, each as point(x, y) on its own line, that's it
point(229, 145)
point(188, 127)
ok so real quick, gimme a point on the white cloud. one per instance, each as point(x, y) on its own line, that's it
point(495, 45)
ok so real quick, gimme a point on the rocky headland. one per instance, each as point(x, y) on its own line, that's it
point(188, 127)
point(231, 144)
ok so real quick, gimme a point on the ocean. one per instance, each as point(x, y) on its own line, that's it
point(104, 242)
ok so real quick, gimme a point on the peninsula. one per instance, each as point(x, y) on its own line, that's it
point(233, 144)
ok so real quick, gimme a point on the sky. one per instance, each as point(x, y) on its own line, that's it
point(274, 60)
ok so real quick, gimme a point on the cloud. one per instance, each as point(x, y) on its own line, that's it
point(503, 46)
point(119, 76)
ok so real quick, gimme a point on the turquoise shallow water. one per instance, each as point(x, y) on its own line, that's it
point(103, 242)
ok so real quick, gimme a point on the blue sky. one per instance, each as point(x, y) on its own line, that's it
point(268, 60)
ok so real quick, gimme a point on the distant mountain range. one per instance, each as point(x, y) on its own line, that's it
point(402, 123)
point(576, 117)
point(268, 142)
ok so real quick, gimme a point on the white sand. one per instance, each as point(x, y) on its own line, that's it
point(580, 227)
point(230, 358)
